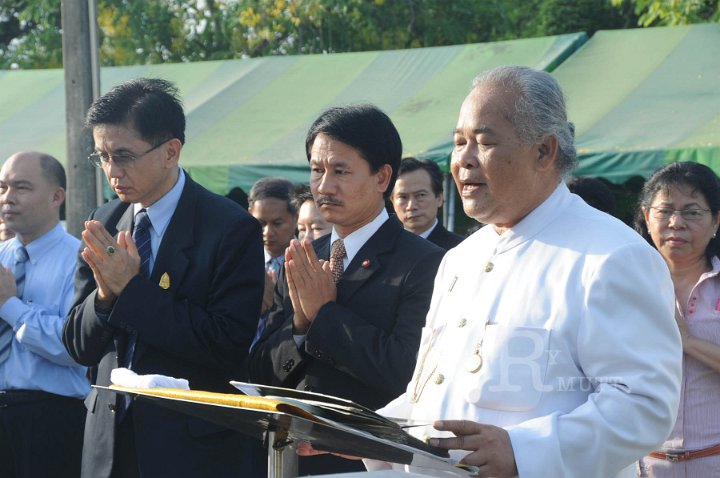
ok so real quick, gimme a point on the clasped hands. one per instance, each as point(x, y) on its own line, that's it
point(489, 446)
point(310, 283)
point(8, 286)
point(113, 262)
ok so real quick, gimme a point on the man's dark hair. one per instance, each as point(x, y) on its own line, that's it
point(274, 187)
point(151, 106)
point(238, 195)
point(300, 194)
point(408, 165)
point(52, 169)
point(364, 128)
point(594, 192)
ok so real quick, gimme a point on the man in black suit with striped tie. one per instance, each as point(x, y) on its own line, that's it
point(169, 281)
point(349, 308)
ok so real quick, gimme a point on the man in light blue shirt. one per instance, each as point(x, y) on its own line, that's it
point(42, 415)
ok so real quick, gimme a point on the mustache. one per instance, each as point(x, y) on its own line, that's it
point(328, 200)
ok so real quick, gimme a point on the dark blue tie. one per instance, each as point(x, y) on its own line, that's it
point(6, 332)
point(141, 236)
point(274, 264)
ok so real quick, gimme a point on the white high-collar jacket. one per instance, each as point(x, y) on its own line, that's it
point(572, 313)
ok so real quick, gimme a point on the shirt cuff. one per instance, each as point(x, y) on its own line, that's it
point(12, 309)
point(299, 340)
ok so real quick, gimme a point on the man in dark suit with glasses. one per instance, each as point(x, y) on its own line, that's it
point(169, 281)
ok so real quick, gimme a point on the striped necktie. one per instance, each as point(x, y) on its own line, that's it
point(274, 264)
point(141, 236)
point(6, 331)
point(21, 258)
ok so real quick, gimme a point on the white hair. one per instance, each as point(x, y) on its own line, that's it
point(539, 109)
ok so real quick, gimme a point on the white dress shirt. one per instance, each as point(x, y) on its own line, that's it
point(353, 242)
point(429, 230)
point(356, 239)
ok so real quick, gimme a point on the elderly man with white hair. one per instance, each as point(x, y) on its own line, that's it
point(550, 348)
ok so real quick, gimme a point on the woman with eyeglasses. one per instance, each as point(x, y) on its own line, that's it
point(678, 214)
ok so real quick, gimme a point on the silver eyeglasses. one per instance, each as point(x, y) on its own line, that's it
point(123, 160)
point(665, 213)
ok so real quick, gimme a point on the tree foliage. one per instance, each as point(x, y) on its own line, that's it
point(673, 12)
point(154, 31)
point(562, 16)
point(30, 34)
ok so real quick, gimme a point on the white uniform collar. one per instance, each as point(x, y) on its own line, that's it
point(536, 221)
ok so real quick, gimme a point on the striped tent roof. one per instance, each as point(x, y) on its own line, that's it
point(248, 118)
point(643, 98)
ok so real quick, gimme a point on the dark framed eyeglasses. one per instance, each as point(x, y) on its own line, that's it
point(665, 213)
point(99, 159)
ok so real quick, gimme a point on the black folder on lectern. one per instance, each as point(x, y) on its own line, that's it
point(328, 423)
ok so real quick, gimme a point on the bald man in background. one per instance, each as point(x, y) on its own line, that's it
point(42, 415)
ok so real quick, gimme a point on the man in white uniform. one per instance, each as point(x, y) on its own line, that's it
point(550, 348)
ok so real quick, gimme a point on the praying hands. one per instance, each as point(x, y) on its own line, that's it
point(114, 263)
point(310, 283)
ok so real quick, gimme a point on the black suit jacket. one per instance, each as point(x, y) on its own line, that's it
point(444, 238)
point(199, 328)
point(362, 347)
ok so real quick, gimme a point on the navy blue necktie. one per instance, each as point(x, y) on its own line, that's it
point(6, 331)
point(141, 236)
point(273, 264)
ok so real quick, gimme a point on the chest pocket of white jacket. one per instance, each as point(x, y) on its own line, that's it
point(512, 377)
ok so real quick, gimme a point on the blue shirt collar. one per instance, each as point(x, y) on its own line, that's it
point(162, 210)
point(43, 244)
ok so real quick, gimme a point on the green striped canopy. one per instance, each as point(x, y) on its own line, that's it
point(643, 98)
point(639, 98)
point(247, 119)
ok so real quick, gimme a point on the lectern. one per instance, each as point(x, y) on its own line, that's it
point(331, 424)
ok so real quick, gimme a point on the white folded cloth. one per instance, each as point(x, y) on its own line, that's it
point(127, 378)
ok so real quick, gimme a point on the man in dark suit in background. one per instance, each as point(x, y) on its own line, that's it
point(270, 203)
point(170, 282)
point(417, 197)
point(349, 324)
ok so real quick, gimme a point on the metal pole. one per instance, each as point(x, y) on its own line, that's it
point(449, 203)
point(95, 62)
point(282, 460)
point(77, 65)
